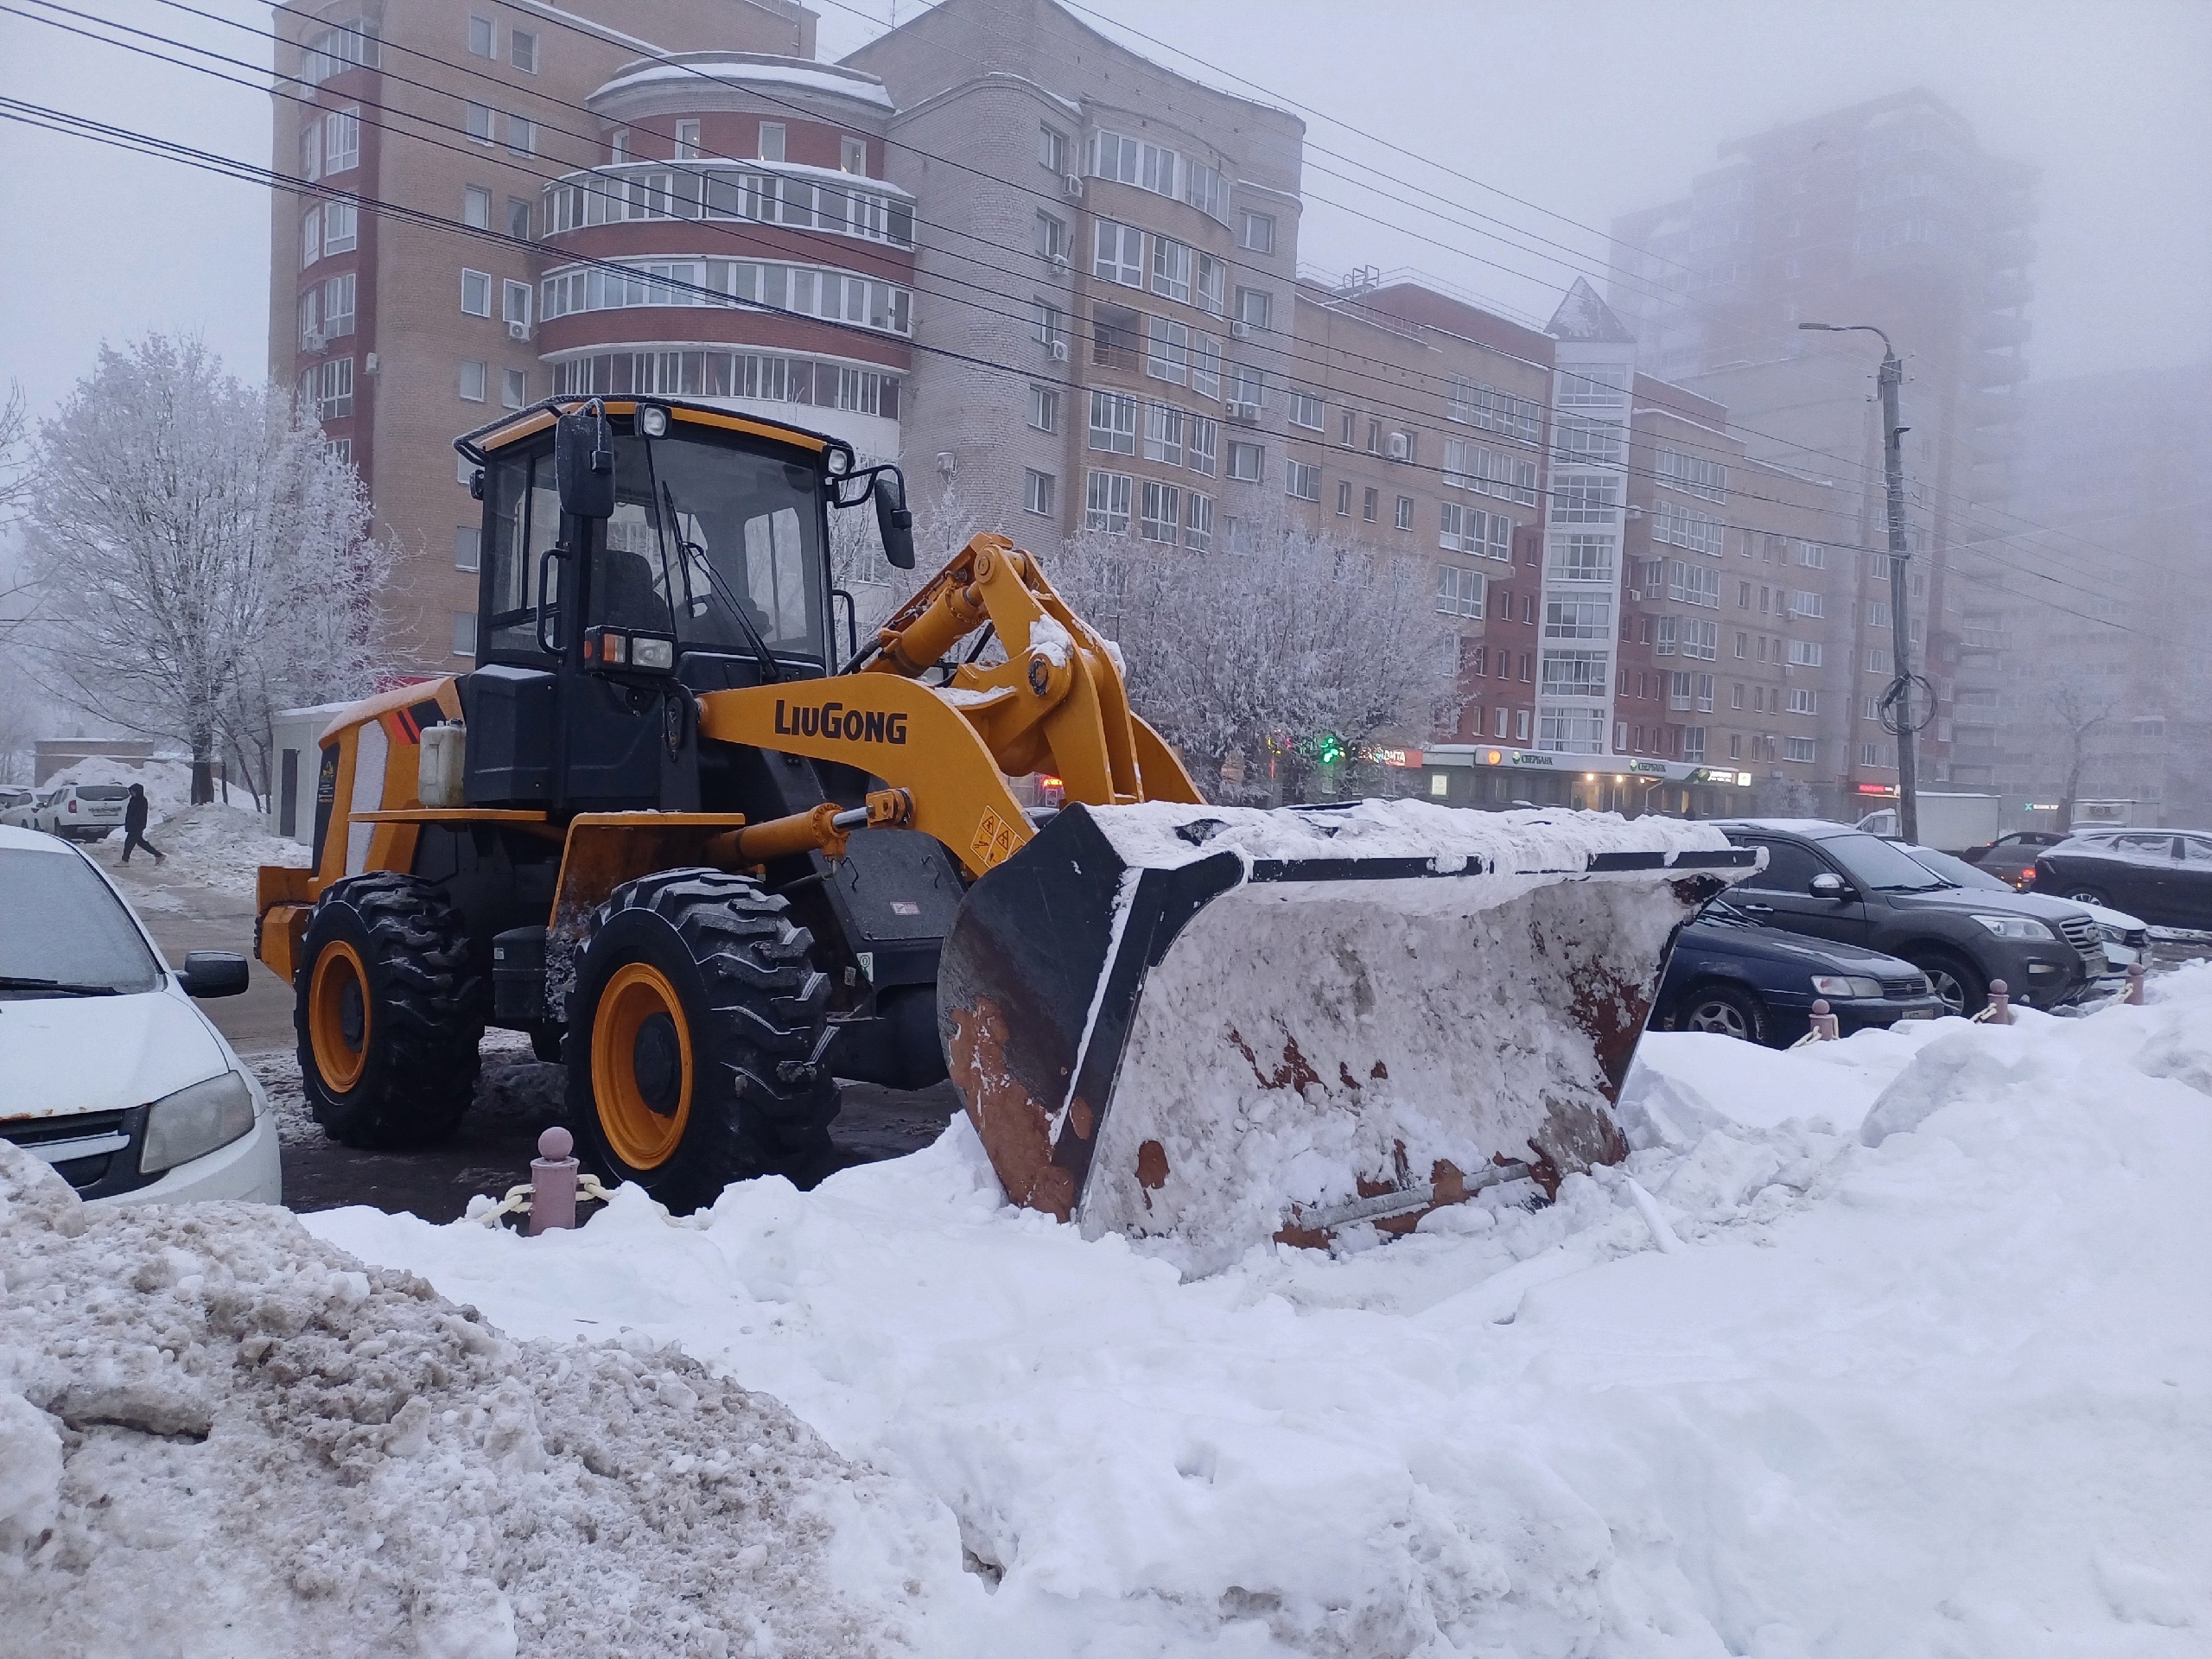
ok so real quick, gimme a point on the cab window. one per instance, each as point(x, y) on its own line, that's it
point(1789, 867)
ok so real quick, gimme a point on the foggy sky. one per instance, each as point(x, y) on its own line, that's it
point(1585, 107)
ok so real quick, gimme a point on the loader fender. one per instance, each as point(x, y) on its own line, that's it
point(1204, 1027)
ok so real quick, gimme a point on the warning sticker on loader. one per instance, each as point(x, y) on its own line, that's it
point(994, 841)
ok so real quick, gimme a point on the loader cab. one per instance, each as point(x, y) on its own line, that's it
point(630, 548)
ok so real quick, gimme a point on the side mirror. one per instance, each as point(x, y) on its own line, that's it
point(212, 973)
point(893, 522)
point(583, 463)
point(1828, 885)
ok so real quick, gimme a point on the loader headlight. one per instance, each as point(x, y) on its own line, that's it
point(1840, 985)
point(2016, 927)
point(194, 1121)
point(652, 420)
point(646, 652)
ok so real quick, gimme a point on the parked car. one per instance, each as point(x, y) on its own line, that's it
point(82, 811)
point(1832, 881)
point(1736, 977)
point(2012, 856)
point(2163, 875)
point(108, 1070)
point(2123, 940)
point(16, 805)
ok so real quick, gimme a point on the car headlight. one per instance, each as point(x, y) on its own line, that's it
point(194, 1121)
point(2016, 927)
point(1839, 985)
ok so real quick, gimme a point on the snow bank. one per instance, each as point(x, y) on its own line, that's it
point(219, 1436)
point(1926, 1370)
point(220, 845)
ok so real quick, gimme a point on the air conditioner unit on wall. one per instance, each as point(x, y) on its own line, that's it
point(1241, 329)
point(314, 342)
point(1400, 446)
point(518, 331)
point(1073, 185)
point(1059, 351)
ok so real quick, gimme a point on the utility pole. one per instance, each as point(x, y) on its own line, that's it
point(1896, 702)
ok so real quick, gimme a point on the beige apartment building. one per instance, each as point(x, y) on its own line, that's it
point(401, 333)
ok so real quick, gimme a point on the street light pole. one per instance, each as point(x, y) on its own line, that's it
point(1896, 702)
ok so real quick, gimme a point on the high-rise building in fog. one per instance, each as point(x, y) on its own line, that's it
point(1889, 212)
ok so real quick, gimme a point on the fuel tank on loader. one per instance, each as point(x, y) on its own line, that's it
point(1204, 1027)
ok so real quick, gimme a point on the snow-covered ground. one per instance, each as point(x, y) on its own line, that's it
point(1901, 1345)
point(221, 845)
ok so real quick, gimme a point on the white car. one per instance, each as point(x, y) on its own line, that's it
point(82, 811)
point(108, 1070)
point(20, 806)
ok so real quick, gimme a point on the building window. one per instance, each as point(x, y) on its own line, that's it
point(522, 135)
point(1052, 238)
point(1344, 503)
point(1049, 328)
point(1878, 661)
point(479, 123)
point(341, 140)
point(852, 155)
point(1246, 461)
point(1254, 307)
point(1114, 422)
point(311, 237)
point(517, 388)
point(1052, 149)
point(341, 222)
point(1106, 501)
point(338, 306)
point(1247, 390)
point(1693, 743)
point(1115, 331)
point(1403, 520)
point(1585, 499)
point(1197, 521)
point(1171, 268)
point(1797, 748)
point(1162, 517)
point(1301, 480)
point(1576, 557)
point(1578, 618)
point(617, 145)
point(481, 36)
point(1037, 492)
point(772, 141)
point(1520, 723)
point(473, 377)
point(1583, 441)
point(1205, 365)
point(1804, 653)
point(687, 141)
point(1371, 504)
point(1168, 349)
point(1700, 476)
point(464, 633)
point(311, 319)
point(337, 389)
point(1118, 254)
point(1163, 434)
point(514, 304)
point(467, 547)
point(1458, 592)
point(522, 50)
point(311, 149)
point(476, 208)
point(1200, 435)
point(518, 218)
point(1256, 231)
point(1306, 411)
point(1045, 408)
point(475, 293)
point(1208, 284)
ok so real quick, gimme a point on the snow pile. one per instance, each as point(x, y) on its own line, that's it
point(220, 1436)
point(167, 783)
point(1899, 1346)
point(219, 847)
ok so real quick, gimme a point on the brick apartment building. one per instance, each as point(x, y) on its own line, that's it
point(1888, 213)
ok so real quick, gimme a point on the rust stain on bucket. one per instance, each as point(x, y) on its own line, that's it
point(1014, 1128)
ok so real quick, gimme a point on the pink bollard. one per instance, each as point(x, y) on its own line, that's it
point(2001, 1003)
point(553, 1182)
point(2135, 998)
point(1827, 1027)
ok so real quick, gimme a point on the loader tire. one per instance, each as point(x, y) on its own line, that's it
point(695, 1050)
point(389, 1013)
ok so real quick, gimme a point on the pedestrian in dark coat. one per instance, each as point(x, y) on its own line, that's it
point(134, 826)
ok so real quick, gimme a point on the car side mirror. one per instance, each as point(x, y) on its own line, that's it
point(894, 522)
point(583, 463)
point(1828, 885)
point(213, 973)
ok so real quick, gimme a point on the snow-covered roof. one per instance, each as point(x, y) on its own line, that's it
point(705, 68)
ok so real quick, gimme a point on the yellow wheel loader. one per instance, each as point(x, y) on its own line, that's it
point(712, 868)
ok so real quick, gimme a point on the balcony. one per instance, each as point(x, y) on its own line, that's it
point(2001, 329)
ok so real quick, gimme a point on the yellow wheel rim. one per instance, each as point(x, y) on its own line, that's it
point(338, 1015)
point(641, 1073)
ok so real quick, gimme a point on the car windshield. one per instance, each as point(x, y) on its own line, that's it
point(1880, 867)
point(66, 933)
point(1956, 871)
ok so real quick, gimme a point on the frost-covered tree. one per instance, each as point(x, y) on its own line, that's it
point(1264, 656)
point(201, 557)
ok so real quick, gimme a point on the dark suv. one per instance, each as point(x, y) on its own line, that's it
point(1831, 881)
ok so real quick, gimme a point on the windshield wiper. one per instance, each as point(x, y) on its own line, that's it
point(58, 987)
point(770, 668)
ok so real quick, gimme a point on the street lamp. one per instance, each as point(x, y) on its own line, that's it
point(1897, 701)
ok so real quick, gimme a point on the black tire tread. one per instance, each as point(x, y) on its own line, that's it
point(767, 1005)
point(426, 1025)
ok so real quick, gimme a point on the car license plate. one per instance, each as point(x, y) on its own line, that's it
point(1918, 1014)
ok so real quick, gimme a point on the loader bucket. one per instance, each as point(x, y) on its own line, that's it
point(1204, 1027)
